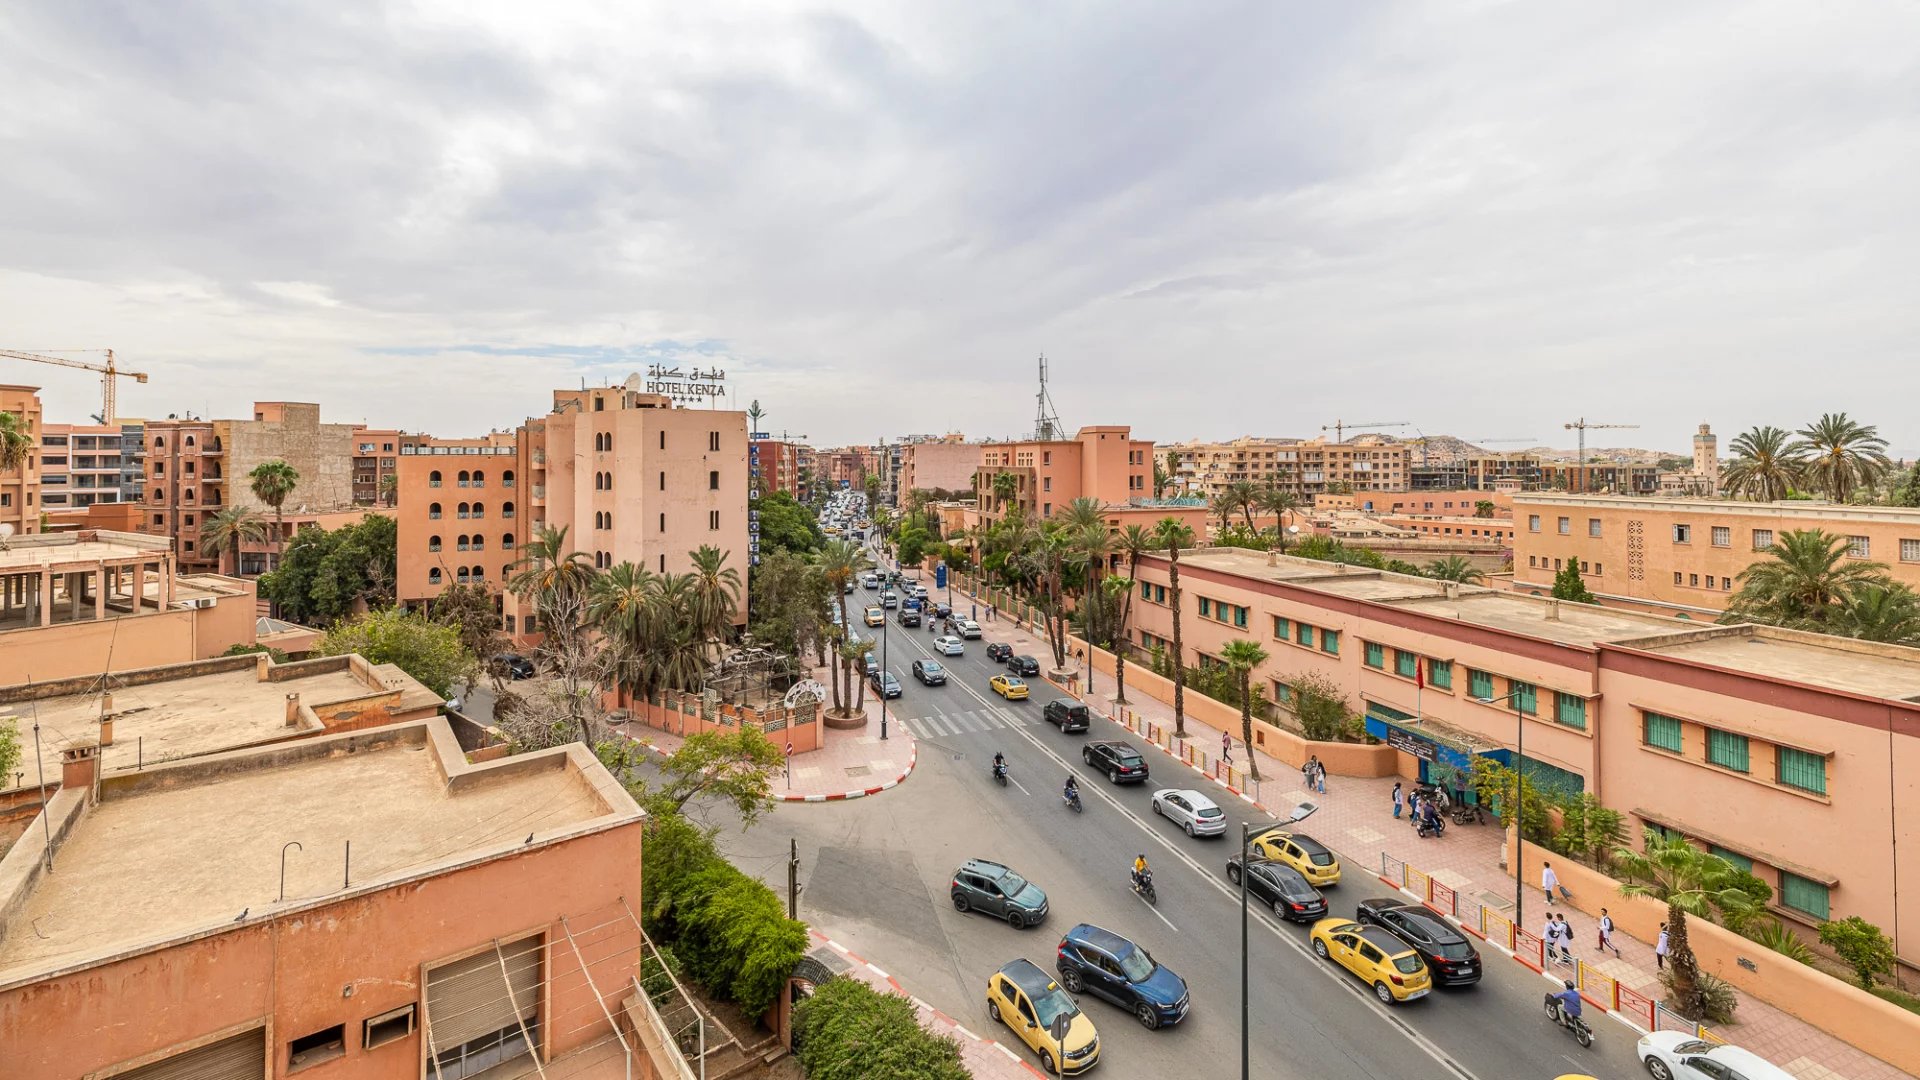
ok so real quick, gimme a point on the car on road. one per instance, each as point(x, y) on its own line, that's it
point(929, 672)
point(1030, 1003)
point(948, 645)
point(993, 888)
point(908, 616)
point(1120, 761)
point(870, 664)
point(870, 581)
point(1312, 858)
point(516, 666)
point(1092, 960)
point(1191, 810)
point(1448, 954)
point(1678, 1055)
point(889, 599)
point(1008, 687)
point(1066, 715)
point(848, 587)
point(884, 683)
point(1280, 887)
point(1381, 960)
point(1023, 665)
point(968, 629)
point(875, 616)
point(998, 651)
point(943, 610)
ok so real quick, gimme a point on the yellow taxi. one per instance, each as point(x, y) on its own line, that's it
point(1009, 687)
point(1312, 858)
point(1382, 960)
point(1033, 1006)
point(875, 616)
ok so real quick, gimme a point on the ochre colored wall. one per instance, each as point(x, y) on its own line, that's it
point(65, 650)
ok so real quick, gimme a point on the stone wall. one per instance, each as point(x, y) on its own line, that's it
point(321, 453)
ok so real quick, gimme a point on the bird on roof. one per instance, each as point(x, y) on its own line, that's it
point(529, 838)
point(242, 917)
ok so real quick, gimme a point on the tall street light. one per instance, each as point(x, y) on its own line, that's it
point(1519, 798)
point(883, 680)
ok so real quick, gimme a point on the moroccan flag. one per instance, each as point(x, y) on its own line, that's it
point(1420, 673)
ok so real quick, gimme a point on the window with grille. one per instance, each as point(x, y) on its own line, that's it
point(1282, 693)
point(1146, 591)
point(1479, 684)
point(1240, 616)
point(1739, 861)
point(1722, 536)
point(1910, 551)
point(1762, 539)
point(1206, 608)
point(1533, 522)
point(1282, 628)
point(1683, 534)
point(1376, 655)
point(1330, 642)
point(1806, 897)
point(1440, 674)
point(1569, 709)
point(1405, 663)
point(1526, 696)
point(1860, 547)
point(1802, 770)
point(1593, 527)
point(1662, 732)
point(1303, 634)
point(1727, 749)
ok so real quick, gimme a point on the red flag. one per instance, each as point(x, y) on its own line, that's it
point(1420, 673)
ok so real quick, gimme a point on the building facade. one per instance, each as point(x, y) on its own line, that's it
point(83, 465)
point(785, 466)
point(376, 457)
point(1104, 463)
point(461, 513)
point(20, 486)
point(1797, 755)
point(1687, 554)
point(946, 463)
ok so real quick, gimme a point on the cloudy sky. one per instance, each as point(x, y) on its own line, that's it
point(1483, 219)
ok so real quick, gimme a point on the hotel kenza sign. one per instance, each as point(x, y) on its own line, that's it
point(691, 385)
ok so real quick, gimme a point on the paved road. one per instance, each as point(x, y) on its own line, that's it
point(875, 875)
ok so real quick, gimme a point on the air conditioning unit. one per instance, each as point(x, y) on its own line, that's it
point(200, 602)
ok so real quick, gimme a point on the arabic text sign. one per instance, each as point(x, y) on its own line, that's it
point(698, 382)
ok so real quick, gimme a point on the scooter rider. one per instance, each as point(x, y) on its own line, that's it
point(999, 763)
point(1140, 870)
point(1569, 1000)
point(1072, 791)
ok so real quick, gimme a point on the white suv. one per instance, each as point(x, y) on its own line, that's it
point(968, 628)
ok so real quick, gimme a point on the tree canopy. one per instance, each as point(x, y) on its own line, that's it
point(786, 525)
point(427, 650)
point(323, 575)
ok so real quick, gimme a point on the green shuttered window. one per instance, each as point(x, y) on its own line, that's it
point(1727, 749)
point(1661, 731)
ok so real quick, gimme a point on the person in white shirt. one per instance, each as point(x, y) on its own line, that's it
point(1606, 932)
point(1551, 935)
point(1660, 950)
point(1548, 880)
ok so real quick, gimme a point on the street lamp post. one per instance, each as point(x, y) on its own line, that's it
point(1519, 797)
point(1246, 1061)
point(883, 681)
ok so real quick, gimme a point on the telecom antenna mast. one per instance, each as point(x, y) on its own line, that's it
point(1046, 421)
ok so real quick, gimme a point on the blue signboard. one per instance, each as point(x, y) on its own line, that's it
point(940, 576)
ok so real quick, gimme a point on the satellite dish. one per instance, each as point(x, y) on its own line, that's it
point(635, 384)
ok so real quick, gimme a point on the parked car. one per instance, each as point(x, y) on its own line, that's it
point(930, 672)
point(908, 616)
point(998, 651)
point(870, 665)
point(1022, 997)
point(885, 684)
point(516, 666)
point(1315, 861)
point(1448, 954)
point(1102, 963)
point(1120, 761)
point(969, 630)
point(1066, 715)
point(1023, 665)
point(950, 646)
point(1008, 687)
point(1192, 811)
point(1381, 960)
point(992, 888)
point(1678, 1055)
point(1280, 887)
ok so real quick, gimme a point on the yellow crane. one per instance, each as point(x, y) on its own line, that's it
point(109, 372)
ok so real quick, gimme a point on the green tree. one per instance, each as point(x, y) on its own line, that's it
point(840, 562)
point(554, 579)
point(715, 600)
point(1244, 495)
point(733, 765)
point(1861, 944)
point(1170, 535)
point(276, 655)
point(427, 650)
point(1243, 656)
point(273, 483)
point(1282, 503)
point(472, 610)
point(390, 489)
point(1906, 490)
point(1884, 613)
point(9, 747)
point(1592, 830)
point(1456, 568)
point(848, 1030)
point(1134, 541)
point(1321, 707)
point(1166, 477)
point(1483, 508)
point(910, 546)
point(326, 576)
point(1842, 455)
point(786, 525)
point(1689, 881)
point(15, 443)
point(223, 531)
point(1005, 486)
point(1765, 465)
point(1568, 585)
point(1804, 584)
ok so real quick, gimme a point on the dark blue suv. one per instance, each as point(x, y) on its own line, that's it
point(1106, 965)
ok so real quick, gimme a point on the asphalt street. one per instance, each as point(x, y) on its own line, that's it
point(876, 871)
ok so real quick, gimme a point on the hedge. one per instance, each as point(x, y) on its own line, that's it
point(849, 1031)
point(729, 930)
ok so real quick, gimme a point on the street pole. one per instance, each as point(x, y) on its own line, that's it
point(1246, 1064)
point(883, 681)
point(1520, 816)
point(793, 879)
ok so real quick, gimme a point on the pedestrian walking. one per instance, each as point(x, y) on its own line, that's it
point(1306, 773)
point(1396, 799)
point(1321, 774)
point(1548, 880)
point(1606, 933)
point(1550, 935)
point(1566, 939)
point(1226, 749)
point(1660, 950)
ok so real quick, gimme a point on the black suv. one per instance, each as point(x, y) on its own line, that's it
point(1449, 955)
point(993, 889)
point(998, 651)
point(1023, 665)
point(1065, 715)
point(1120, 761)
point(1282, 887)
point(909, 616)
point(930, 672)
point(1104, 964)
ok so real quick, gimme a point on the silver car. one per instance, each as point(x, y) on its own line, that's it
point(968, 628)
point(1191, 810)
point(950, 646)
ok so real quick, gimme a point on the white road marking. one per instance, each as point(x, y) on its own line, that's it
point(1156, 913)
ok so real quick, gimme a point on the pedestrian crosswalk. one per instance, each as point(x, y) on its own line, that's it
point(968, 722)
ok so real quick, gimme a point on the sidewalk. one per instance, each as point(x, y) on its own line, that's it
point(1355, 818)
point(984, 1058)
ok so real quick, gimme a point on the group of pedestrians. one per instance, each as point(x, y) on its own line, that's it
point(1424, 807)
point(1315, 775)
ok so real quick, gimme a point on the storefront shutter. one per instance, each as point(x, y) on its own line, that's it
point(470, 998)
point(240, 1057)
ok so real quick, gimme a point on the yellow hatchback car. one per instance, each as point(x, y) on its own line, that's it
point(1009, 687)
point(875, 616)
point(1315, 861)
point(1033, 1006)
point(1382, 960)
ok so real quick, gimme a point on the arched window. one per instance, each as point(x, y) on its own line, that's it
point(433, 478)
point(479, 542)
point(159, 442)
point(506, 510)
point(433, 576)
point(460, 542)
point(609, 481)
point(187, 495)
point(479, 510)
point(433, 511)
point(460, 575)
point(433, 543)
point(479, 573)
point(506, 541)
point(464, 510)
point(465, 479)
point(189, 440)
point(479, 478)
point(506, 478)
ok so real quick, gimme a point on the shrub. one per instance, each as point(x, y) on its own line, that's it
point(1861, 944)
point(1717, 998)
point(1322, 709)
point(1777, 936)
point(1591, 831)
point(277, 656)
point(1907, 1001)
point(424, 649)
point(849, 1031)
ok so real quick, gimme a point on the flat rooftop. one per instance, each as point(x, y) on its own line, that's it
point(22, 554)
point(1836, 663)
point(172, 859)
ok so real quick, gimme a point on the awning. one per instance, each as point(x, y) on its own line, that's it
point(1452, 744)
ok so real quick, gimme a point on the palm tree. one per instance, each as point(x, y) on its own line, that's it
point(1843, 456)
point(15, 442)
point(273, 483)
point(227, 528)
point(841, 561)
point(1244, 496)
point(1005, 486)
point(716, 592)
point(1170, 535)
point(1280, 502)
point(554, 579)
point(1765, 466)
point(1044, 551)
point(1168, 477)
point(1456, 568)
point(1134, 541)
point(677, 656)
point(1805, 584)
point(1885, 613)
point(1688, 880)
point(1085, 523)
point(620, 606)
point(390, 488)
point(1243, 656)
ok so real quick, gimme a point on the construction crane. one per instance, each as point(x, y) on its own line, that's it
point(1341, 427)
point(108, 373)
point(1583, 427)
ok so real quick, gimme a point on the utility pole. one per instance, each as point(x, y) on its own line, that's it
point(793, 879)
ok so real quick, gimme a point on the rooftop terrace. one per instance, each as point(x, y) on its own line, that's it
point(1837, 663)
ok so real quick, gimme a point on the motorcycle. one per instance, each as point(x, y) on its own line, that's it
point(1000, 774)
point(1463, 814)
point(1575, 1026)
point(1143, 886)
point(1424, 827)
point(1072, 800)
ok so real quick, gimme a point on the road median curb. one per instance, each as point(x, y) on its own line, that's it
point(913, 758)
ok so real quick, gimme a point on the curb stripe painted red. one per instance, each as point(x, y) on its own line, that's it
point(913, 759)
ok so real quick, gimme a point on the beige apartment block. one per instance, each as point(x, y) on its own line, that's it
point(1307, 467)
point(947, 463)
point(1687, 554)
point(1105, 463)
point(1795, 753)
point(20, 487)
point(461, 513)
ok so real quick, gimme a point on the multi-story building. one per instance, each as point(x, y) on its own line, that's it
point(847, 467)
point(1205, 469)
point(1480, 472)
point(785, 466)
point(938, 463)
point(1606, 477)
point(83, 465)
point(1687, 554)
point(461, 513)
point(376, 457)
point(1303, 466)
point(20, 486)
point(1794, 754)
point(1105, 463)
